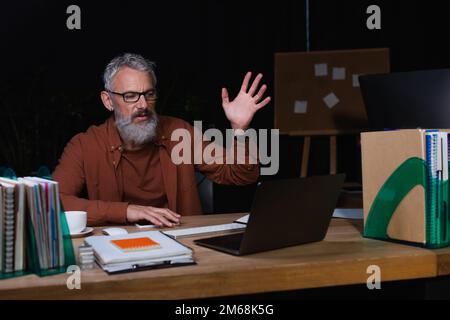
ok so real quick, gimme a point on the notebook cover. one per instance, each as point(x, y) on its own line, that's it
point(136, 244)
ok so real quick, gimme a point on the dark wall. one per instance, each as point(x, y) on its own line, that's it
point(51, 76)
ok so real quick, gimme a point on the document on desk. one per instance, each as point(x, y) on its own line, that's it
point(243, 220)
point(112, 259)
point(353, 214)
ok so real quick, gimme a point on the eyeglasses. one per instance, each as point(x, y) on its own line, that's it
point(131, 96)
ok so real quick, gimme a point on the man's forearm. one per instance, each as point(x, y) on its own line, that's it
point(99, 212)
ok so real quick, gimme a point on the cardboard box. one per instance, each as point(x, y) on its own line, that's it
point(402, 200)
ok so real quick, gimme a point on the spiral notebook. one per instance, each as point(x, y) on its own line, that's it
point(437, 163)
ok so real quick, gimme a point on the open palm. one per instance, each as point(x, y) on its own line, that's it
point(241, 110)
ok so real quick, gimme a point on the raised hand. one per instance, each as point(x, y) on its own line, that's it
point(241, 110)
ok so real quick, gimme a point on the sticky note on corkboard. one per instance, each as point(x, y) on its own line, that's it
point(312, 77)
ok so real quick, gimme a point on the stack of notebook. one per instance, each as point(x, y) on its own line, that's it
point(437, 186)
point(44, 212)
point(12, 226)
point(137, 251)
point(30, 216)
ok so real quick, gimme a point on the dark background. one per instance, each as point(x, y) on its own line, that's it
point(50, 76)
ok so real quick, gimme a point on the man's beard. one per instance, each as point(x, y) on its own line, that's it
point(138, 134)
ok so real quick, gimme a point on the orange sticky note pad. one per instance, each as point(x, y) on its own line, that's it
point(136, 244)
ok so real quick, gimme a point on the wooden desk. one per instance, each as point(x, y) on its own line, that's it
point(341, 259)
point(443, 261)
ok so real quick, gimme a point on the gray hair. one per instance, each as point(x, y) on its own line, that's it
point(131, 60)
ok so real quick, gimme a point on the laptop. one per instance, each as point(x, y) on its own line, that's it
point(284, 213)
point(407, 100)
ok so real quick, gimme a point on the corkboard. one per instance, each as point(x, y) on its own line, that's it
point(319, 91)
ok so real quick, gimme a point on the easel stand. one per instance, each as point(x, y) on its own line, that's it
point(332, 136)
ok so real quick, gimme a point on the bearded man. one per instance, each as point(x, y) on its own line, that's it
point(125, 164)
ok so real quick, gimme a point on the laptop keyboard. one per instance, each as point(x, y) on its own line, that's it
point(200, 231)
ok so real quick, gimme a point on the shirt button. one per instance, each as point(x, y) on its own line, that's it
point(114, 163)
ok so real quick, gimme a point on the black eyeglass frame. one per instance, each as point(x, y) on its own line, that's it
point(154, 98)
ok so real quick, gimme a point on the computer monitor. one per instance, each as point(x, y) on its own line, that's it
point(407, 100)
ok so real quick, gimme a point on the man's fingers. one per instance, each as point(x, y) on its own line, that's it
point(245, 82)
point(169, 214)
point(255, 85)
point(176, 215)
point(152, 215)
point(172, 216)
point(152, 219)
point(263, 103)
point(260, 93)
point(225, 97)
point(163, 222)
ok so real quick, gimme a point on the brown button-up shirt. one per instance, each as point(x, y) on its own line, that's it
point(94, 160)
point(143, 183)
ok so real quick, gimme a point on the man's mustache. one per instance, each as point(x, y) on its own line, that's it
point(143, 113)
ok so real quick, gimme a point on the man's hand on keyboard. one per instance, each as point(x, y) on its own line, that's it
point(160, 217)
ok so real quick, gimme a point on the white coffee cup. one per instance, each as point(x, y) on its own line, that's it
point(76, 221)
